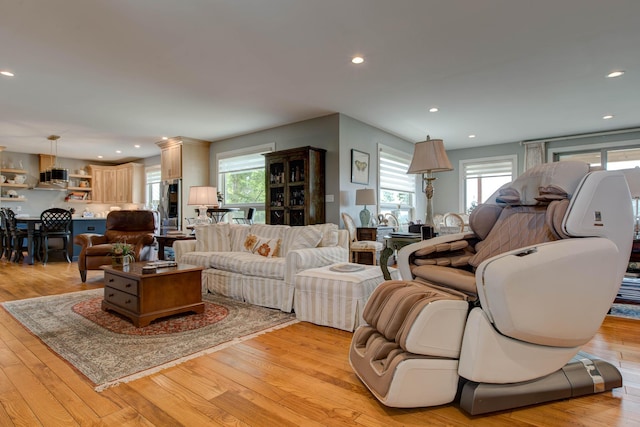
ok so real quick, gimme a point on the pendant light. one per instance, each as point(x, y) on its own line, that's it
point(55, 174)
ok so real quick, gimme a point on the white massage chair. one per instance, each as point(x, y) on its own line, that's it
point(495, 318)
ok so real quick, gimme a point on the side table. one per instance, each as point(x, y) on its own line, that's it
point(393, 243)
point(167, 240)
point(375, 234)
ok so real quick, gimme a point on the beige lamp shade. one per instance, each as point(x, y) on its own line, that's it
point(429, 156)
point(366, 196)
point(203, 196)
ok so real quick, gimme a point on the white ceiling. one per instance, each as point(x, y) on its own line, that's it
point(108, 74)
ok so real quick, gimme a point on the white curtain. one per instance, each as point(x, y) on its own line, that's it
point(534, 154)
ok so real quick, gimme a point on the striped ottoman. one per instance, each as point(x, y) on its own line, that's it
point(333, 298)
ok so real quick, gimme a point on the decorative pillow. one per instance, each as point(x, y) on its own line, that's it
point(329, 234)
point(300, 238)
point(237, 235)
point(264, 246)
point(213, 238)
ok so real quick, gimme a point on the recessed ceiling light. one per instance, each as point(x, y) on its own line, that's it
point(472, 136)
point(99, 157)
point(7, 73)
point(608, 116)
point(165, 138)
point(118, 151)
point(433, 110)
point(615, 73)
point(357, 59)
point(137, 145)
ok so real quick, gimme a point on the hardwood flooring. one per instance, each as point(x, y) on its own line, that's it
point(296, 376)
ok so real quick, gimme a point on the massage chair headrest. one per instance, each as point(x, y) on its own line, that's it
point(539, 185)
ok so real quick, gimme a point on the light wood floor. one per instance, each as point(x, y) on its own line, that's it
point(297, 376)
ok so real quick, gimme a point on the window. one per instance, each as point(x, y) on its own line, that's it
point(153, 179)
point(482, 177)
point(397, 188)
point(610, 158)
point(241, 179)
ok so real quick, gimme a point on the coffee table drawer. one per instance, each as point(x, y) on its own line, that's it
point(122, 283)
point(121, 299)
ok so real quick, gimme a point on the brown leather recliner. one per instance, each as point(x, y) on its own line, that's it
point(136, 227)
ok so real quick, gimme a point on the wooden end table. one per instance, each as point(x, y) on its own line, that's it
point(168, 239)
point(146, 297)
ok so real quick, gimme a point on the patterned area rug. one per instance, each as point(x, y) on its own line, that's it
point(631, 311)
point(108, 350)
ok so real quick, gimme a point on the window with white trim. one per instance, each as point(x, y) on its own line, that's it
point(607, 157)
point(241, 179)
point(153, 180)
point(482, 177)
point(397, 188)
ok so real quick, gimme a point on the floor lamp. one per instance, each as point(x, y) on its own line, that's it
point(429, 156)
point(203, 197)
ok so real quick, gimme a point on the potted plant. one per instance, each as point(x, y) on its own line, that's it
point(122, 254)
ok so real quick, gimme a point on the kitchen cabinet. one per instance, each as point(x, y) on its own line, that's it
point(171, 161)
point(118, 184)
point(295, 184)
point(85, 225)
point(186, 159)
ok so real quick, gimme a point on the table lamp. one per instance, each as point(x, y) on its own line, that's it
point(203, 197)
point(429, 156)
point(365, 196)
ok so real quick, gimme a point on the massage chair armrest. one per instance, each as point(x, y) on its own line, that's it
point(438, 244)
point(89, 239)
point(531, 295)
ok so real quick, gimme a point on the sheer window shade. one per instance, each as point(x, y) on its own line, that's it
point(393, 171)
point(488, 169)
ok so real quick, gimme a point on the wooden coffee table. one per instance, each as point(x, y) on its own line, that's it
point(146, 297)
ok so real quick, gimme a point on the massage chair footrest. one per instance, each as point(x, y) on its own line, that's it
point(581, 376)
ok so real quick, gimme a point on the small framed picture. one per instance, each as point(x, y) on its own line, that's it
point(359, 167)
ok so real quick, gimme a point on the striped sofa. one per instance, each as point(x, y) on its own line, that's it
point(257, 263)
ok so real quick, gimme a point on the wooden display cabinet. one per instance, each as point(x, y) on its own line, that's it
point(295, 183)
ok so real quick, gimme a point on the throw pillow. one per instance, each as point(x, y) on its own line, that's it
point(329, 233)
point(300, 238)
point(213, 238)
point(263, 246)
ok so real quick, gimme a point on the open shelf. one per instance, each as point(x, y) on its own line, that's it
point(6, 184)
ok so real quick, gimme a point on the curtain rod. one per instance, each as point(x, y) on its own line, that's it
point(582, 135)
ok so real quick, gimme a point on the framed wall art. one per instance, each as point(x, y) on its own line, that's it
point(359, 167)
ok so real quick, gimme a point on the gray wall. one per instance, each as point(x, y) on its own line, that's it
point(447, 185)
point(355, 134)
point(337, 134)
point(321, 132)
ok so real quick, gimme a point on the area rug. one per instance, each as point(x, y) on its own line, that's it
point(631, 311)
point(108, 350)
